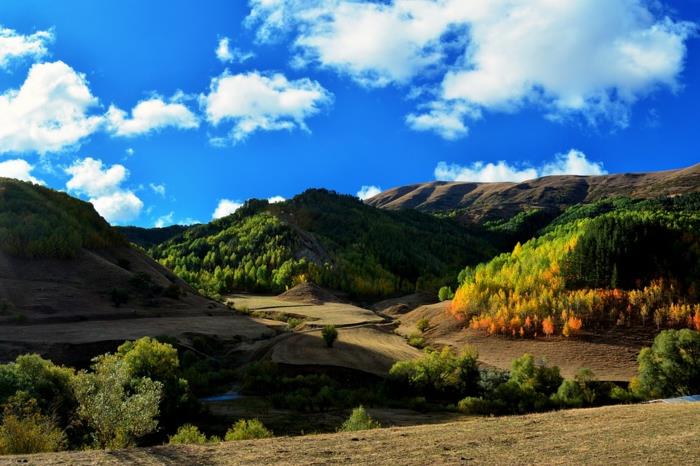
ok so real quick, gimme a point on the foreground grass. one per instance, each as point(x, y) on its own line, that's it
point(639, 434)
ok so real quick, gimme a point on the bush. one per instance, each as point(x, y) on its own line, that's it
point(25, 430)
point(422, 325)
point(247, 430)
point(577, 392)
point(437, 375)
point(475, 405)
point(329, 334)
point(416, 340)
point(671, 367)
point(359, 420)
point(445, 293)
point(294, 322)
point(188, 434)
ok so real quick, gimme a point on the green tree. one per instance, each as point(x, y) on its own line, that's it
point(671, 367)
point(188, 434)
point(118, 407)
point(359, 420)
point(329, 334)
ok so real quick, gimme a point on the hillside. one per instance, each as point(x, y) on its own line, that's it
point(149, 237)
point(639, 434)
point(72, 287)
point(493, 201)
point(335, 241)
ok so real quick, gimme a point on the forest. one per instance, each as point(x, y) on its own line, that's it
point(333, 240)
point(614, 262)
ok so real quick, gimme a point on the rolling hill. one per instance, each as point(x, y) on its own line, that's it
point(333, 240)
point(72, 287)
point(481, 202)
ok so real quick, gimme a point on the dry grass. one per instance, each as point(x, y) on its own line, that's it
point(366, 349)
point(640, 434)
point(338, 314)
point(611, 356)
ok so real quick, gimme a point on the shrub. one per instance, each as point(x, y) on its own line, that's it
point(475, 405)
point(25, 430)
point(437, 375)
point(294, 322)
point(247, 430)
point(329, 334)
point(416, 340)
point(422, 325)
point(577, 392)
point(359, 420)
point(118, 297)
point(445, 293)
point(671, 367)
point(188, 434)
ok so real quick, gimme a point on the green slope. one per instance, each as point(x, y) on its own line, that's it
point(333, 240)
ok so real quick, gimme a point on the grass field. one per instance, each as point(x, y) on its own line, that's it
point(639, 434)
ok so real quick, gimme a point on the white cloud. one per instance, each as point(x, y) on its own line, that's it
point(566, 58)
point(103, 187)
point(49, 112)
point(14, 46)
point(90, 177)
point(119, 207)
point(150, 115)
point(18, 169)
point(158, 188)
point(226, 207)
point(226, 54)
point(257, 102)
point(572, 163)
point(164, 220)
point(129, 151)
point(366, 192)
point(276, 199)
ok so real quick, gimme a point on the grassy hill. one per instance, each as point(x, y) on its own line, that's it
point(639, 434)
point(333, 240)
point(551, 194)
point(65, 272)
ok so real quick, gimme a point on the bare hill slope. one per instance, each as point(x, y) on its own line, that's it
point(501, 200)
point(639, 434)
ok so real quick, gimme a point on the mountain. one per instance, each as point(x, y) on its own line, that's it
point(149, 237)
point(333, 240)
point(67, 278)
point(482, 202)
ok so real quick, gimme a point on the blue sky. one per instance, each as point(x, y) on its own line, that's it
point(127, 103)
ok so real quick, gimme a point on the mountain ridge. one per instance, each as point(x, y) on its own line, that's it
point(478, 202)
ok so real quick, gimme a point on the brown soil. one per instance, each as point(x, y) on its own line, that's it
point(309, 293)
point(624, 435)
point(403, 304)
point(610, 355)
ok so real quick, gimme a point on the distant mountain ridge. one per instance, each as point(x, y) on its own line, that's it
point(492, 201)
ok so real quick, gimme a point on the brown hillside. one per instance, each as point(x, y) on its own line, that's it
point(624, 435)
point(501, 200)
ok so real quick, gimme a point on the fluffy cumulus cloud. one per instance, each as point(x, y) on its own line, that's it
point(49, 112)
point(226, 207)
point(572, 163)
point(497, 55)
point(258, 102)
point(226, 54)
point(103, 187)
point(18, 169)
point(366, 192)
point(151, 115)
point(276, 199)
point(15, 46)
point(164, 220)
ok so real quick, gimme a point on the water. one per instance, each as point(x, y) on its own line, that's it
point(228, 396)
